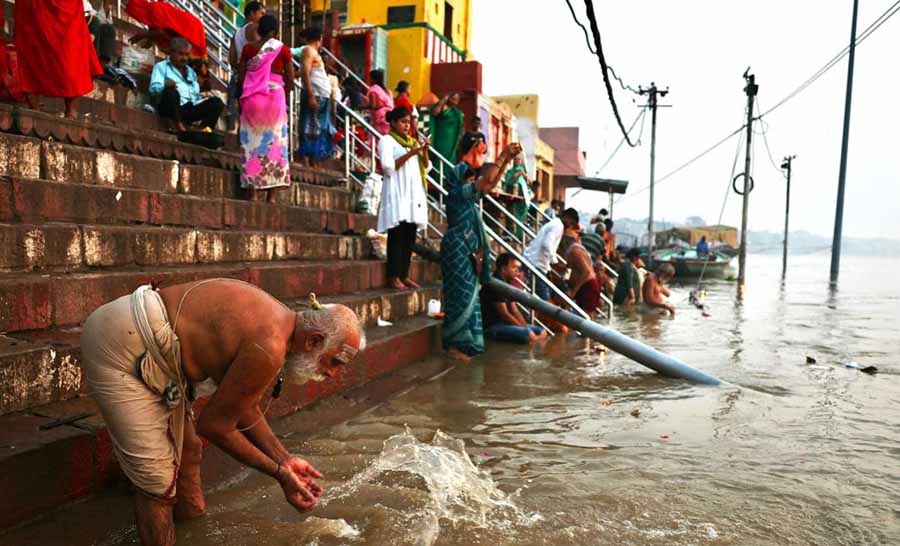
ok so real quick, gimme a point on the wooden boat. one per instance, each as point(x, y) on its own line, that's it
point(688, 263)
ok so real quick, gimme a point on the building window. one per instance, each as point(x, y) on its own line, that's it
point(448, 21)
point(401, 14)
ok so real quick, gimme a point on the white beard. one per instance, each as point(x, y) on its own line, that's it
point(300, 369)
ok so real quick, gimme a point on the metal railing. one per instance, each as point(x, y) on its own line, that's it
point(349, 115)
point(220, 37)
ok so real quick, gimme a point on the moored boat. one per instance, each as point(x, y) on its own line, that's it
point(688, 263)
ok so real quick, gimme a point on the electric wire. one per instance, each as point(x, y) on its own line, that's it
point(624, 85)
point(883, 18)
point(584, 29)
point(684, 165)
point(875, 25)
point(595, 31)
point(640, 117)
point(764, 129)
point(737, 154)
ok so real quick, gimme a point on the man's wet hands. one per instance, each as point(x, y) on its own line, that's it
point(296, 477)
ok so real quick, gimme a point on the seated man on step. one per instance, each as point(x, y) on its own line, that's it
point(145, 356)
point(501, 316)
point(176, 91)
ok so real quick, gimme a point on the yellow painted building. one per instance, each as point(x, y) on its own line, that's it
point(539, 155)
point(420, 33)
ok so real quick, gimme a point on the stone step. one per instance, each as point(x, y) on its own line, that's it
point(73, 247)
point(133, 139)
point(57, 453)
point(40, 201)
point(41, 301)
point(32, 158)
point(43, 366)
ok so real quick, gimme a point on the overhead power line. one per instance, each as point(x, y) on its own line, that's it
point(875, 25)
point(595, 31)
point(887, 14)
point(584, 29)
point(640, 117)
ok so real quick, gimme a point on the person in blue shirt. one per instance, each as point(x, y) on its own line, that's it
point(176, 92)
point(502, 319)
point(702, 247)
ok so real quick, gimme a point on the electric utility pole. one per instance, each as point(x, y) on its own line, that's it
point(842, 177)
point(652, 103)
point(786, 165)
point(750, 89)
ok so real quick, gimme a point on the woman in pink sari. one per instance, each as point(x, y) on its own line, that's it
point(267, 78)
point(379, 101)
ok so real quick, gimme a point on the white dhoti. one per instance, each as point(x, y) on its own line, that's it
point(132, 362)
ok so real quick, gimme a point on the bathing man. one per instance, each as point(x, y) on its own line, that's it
point(654, 291)
point(144, 353)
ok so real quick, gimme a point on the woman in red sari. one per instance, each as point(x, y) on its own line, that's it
point(165, 21)
point(56, 56)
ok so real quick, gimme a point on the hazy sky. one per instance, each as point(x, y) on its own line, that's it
point(700, 50)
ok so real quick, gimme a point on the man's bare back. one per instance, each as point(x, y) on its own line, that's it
point(219, 318)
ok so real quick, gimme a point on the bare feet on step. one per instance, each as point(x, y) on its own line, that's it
point(456, 354)
point(411, 283)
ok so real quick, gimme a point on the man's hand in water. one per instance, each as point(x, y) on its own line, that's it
point(296, 491)
point(305, 472)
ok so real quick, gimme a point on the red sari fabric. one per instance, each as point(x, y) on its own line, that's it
point(166, 17)
point(55, 53)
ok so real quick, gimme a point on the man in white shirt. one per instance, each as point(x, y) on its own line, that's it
point(541, 253)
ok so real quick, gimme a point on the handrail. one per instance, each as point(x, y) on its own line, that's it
point(345, 67)
point(217, 18)
point(537, 273)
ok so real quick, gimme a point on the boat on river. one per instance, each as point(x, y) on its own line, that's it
point(688, 263)
point(678, 246)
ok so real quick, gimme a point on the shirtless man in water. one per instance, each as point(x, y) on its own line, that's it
point(654, 291)
point(583, 286)
point(144, 354)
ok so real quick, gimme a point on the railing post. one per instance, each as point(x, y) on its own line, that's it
point(441, 180)
point(347, 146)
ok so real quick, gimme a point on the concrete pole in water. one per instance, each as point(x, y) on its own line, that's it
point(786, 165)
point(622, 344)
point(751, 89)
point(652, 103)
point(842, 177)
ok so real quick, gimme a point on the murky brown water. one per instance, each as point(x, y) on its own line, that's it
point(570, 448)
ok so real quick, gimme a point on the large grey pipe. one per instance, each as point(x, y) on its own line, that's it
point(622, 344)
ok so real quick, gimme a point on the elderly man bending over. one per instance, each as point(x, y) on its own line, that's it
point(147, 353)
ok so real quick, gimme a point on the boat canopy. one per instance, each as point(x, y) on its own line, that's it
point(725, 235)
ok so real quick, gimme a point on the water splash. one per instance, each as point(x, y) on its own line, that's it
point(458, 492)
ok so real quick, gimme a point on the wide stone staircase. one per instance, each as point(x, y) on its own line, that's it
point(92, 209)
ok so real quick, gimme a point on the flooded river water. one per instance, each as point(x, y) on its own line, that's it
point(558, 445)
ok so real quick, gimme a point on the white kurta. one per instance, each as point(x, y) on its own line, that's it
point(402, 192)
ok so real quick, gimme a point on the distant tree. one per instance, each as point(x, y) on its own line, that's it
point(695, 221)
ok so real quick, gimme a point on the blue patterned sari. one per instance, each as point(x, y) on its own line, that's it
point(465, 236)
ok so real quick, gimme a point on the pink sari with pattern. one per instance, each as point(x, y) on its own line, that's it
point(264, 123)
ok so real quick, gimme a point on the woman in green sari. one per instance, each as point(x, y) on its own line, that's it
point(517, 183)
point(447, 126)
point(465, 256)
